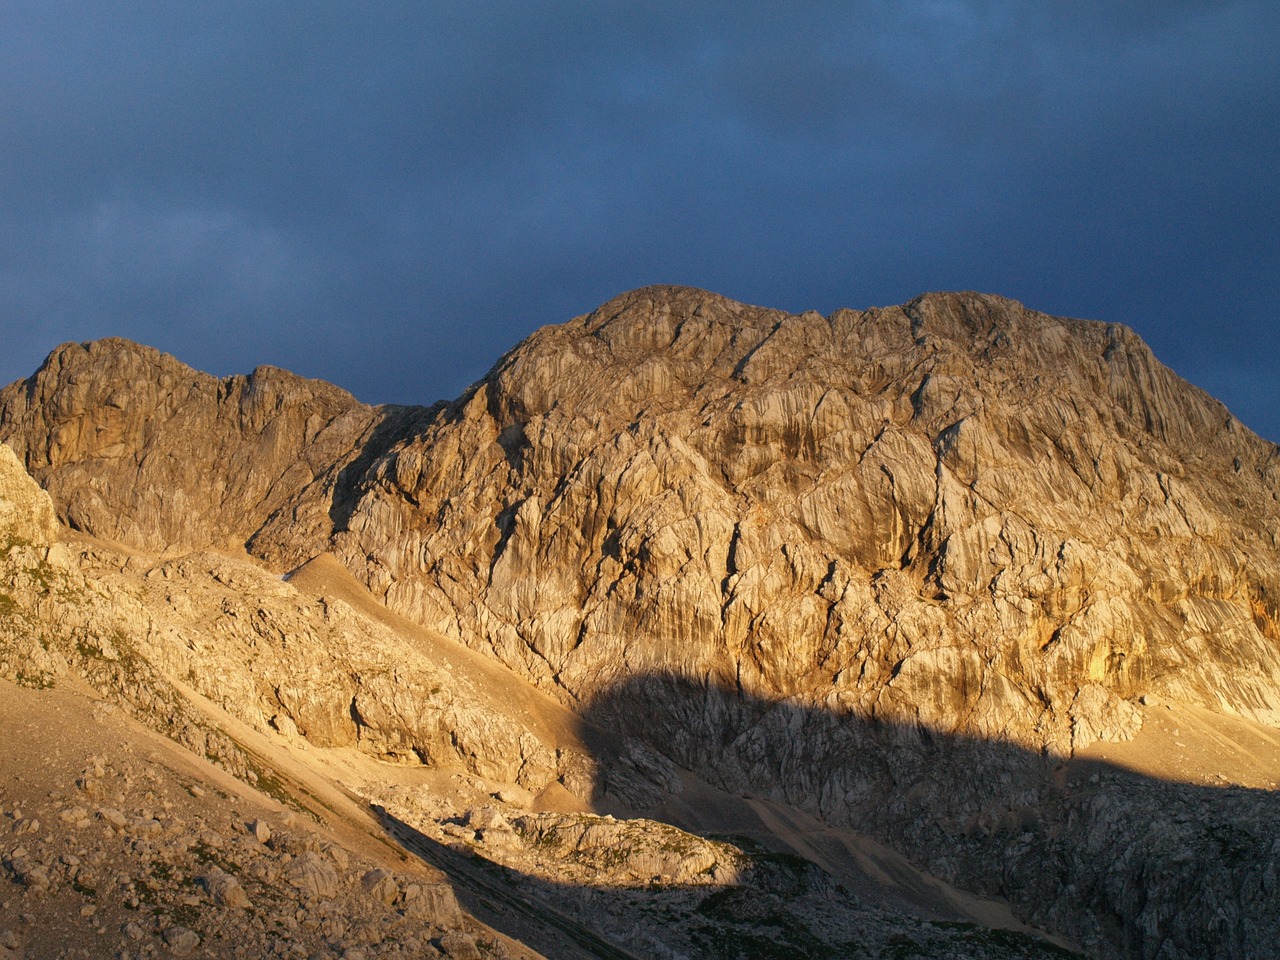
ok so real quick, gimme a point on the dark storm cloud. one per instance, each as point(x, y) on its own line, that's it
point(390, 195)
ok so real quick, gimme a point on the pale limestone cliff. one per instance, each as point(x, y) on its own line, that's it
point(26, 512)
point(137, 447)
point(891, 567)
point(308, 664)
point(246, 669)
point(36, 575)
point(958, 513)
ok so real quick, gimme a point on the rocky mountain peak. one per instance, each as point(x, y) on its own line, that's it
point(136, 446)
point(733, 487)
point(897, 569)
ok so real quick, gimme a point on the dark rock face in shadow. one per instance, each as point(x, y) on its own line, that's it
point(780, 907)
point(1122, 863)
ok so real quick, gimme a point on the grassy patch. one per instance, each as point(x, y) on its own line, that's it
point(34, 681)
point(203, 853)
point(1015, 944)
point(265, 779)
point(1236, 847)
point(186, 914)
point(145, 893)
point(270, 784)
point(737, 943)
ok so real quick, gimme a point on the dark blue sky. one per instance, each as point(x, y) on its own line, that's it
point(390, 195)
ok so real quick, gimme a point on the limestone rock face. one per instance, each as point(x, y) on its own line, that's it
point(34, 570)
point(137, 447)
point(26, 512)
point(957, 513)
point(314, 668)
point(890, 567)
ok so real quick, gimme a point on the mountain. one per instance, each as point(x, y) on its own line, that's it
point(955, 576)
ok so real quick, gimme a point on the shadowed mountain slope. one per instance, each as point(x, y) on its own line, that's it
point(1124, 863)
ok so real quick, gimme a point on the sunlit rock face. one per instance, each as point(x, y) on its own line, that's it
point(957, 513)
point(888, 566)
point(137, 447)
point(26, 513)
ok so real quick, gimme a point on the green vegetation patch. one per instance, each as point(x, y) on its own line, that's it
point(206, 854)
point(34, 681)
point(738, 943)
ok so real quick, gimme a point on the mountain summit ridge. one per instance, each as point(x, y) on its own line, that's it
point(969, 406)
point(786, 552)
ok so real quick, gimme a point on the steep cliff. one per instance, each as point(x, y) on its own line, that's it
point(958, 513)
point(137, 447)
point(26, 512)
point(893, 567)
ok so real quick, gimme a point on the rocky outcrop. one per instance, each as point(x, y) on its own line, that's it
point(135, 446)
point(893, 567)
point(180, 875)
point(26, 512)
point(309, 666)
point(35, 577)
point(662, 892)
point(958, 513)
point(242, 638)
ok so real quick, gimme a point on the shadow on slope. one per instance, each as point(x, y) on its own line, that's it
point(780, 908)
point(1113, 859)
point(394, 424)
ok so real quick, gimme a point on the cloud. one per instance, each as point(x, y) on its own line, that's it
point(391, 195)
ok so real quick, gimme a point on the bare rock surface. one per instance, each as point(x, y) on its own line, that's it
point(899, 569)
point(180, 876)
point(957, 513)
point(658, 891)
point(114, 842)
point(137, 447)
point(26, 512)
point(895, 567)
